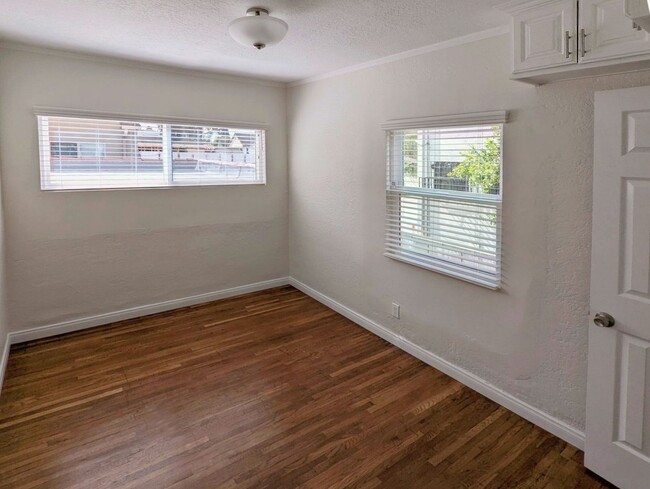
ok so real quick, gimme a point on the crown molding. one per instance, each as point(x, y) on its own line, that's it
point(439, 46)
point(450, 43)
point(34, 49)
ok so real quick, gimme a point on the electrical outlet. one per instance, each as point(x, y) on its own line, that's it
point(396, 310)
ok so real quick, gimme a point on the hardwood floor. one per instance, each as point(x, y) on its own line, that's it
point(268, 390)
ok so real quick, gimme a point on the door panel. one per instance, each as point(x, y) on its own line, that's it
point(618, 381)
point(541, 36)
point(635, 272)
point(632, 405)
point(637, 131)
point(609, 32)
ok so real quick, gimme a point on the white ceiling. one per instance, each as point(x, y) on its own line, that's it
point(324, 35)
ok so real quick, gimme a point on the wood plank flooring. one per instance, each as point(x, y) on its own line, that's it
point(268, 390)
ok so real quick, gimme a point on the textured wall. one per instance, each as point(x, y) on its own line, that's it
point(4, 324)
point(75, 254)
point(530, 338)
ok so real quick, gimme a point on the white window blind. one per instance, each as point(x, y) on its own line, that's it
point(444, 195)
point(104, 152)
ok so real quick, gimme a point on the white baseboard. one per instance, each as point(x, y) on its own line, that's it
point(544, 420)
point(134, 312)
point(4, 359)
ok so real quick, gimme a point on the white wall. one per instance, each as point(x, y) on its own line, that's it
point(4, 329)
point(74, 254)
point(530, 339)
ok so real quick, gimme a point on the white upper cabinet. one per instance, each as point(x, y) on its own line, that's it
point(544, 34)
point(639, 12)
point(606, 32)
point(556, 39)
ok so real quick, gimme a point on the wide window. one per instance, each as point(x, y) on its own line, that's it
point(444, 195)
point(96, 152)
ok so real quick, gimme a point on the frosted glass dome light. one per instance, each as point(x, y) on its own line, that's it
point(258, 29)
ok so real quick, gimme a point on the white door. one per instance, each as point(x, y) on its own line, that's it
point(618, 385)
point(545, 36)
point(608, 32)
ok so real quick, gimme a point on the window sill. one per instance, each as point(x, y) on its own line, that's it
point(449, 269)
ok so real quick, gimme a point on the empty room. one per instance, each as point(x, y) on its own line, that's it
point(324, 244)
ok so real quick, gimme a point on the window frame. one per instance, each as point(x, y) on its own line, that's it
point(395, 190)
point(167, 122)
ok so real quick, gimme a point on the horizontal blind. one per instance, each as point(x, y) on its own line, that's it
point(201, 155)
point(444, 200)
point(78, 153)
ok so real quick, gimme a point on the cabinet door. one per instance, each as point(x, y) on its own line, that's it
point(545, 35)
point(608, 32)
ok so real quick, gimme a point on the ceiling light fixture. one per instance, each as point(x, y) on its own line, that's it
point(258, 29)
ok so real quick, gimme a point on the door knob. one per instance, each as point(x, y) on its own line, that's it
point(604, 320)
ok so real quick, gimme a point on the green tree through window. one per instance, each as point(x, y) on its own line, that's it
point(481, 167)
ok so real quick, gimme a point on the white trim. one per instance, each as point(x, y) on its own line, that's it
point(162, 119)
point(4, 359)
point(607, 67)
point(146, 65)
point(135, 312)
point(536, 416)
point(545, 421)
point(452, 120)
point(471, 276)
point(439, 46)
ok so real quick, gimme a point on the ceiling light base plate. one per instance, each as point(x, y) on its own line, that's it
point(257, 11)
